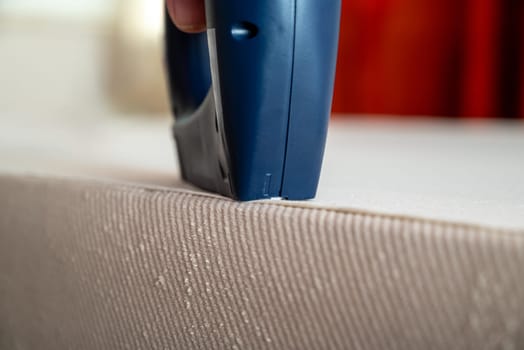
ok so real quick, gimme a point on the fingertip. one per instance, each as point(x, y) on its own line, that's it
point(188, 15)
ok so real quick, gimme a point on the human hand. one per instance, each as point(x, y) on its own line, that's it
point(188, 15)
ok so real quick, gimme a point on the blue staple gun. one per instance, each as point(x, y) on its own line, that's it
point(252, 96)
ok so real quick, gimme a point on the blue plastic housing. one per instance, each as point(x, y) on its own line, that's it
point(276, 66)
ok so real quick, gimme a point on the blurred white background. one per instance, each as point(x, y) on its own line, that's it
point(79, 10)
point(83, 59)
point(82, 88)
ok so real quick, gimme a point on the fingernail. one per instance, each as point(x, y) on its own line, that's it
point(191, 28)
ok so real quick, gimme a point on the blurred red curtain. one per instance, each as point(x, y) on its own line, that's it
point(431, 57)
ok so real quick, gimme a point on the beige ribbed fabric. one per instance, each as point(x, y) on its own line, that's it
point(93, 265)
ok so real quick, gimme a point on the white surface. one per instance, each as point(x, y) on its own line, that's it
point(461, 172)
